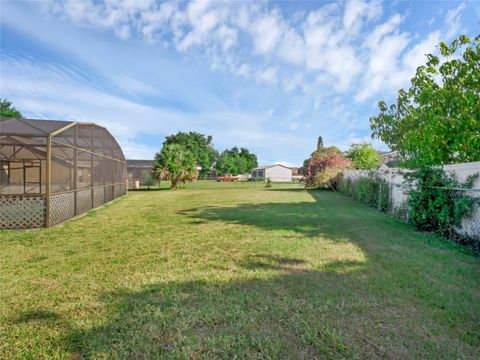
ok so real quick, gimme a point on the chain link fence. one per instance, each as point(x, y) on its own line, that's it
point(467, 200)
point(444, 206)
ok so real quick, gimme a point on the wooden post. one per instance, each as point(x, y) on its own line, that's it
point(49, 180)
point(24, 178)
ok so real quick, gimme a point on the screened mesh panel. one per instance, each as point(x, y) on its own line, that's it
point(86, 168)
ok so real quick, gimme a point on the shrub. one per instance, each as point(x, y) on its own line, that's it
point(433, 206)
point(324, 167)
point(371, 190)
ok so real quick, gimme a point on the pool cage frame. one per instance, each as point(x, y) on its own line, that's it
point(51, 171)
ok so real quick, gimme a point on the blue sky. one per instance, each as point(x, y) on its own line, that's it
point(270, 76)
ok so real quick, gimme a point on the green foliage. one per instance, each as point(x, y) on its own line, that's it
point(371, 190)
point(437, 120)
point(7, 110)
point(319, 143)
point(175, 163)
point(434, 206)
point(199, 145)
point(364, 156)
point(234, 161)
point(269, 183)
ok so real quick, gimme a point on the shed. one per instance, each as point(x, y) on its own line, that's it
point(275, 172)
point(53, 170)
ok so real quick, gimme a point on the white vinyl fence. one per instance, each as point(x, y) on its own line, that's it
point(398, 189)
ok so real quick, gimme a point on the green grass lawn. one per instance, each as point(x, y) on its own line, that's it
point(236, 272)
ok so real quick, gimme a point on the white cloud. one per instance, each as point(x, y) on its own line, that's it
point(294, 63)
point(258, 39)
point(292, 47)
point(52, 91)
point(293, 125)
point(392, 24)
point(355, 10)
point(266, 32)
point(243, 70)
point(294, 82)
point(416, 56)
point(267, 76)
point(384, 47)
point(453, 21)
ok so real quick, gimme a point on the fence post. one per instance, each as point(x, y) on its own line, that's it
point(75, 168)
point(48, 180)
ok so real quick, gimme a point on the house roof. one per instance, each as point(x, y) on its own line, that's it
point(264, 167)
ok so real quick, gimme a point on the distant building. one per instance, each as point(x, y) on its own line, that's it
point(139, 172)
point(390, 158)
point(276, 173)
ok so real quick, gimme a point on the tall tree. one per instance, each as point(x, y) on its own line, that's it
point(437, 120)
point(199, 145)
point(7, 110)
point(175, 163)
point(319, 143)
point(234, 161)
point(250, 160)
point(363, 156)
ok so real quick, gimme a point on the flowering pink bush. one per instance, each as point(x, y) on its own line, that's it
point(324, 167)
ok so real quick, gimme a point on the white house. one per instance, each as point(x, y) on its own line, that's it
point(274, 172)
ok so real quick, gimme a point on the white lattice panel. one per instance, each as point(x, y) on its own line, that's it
point(62, 207)
point(22, 212)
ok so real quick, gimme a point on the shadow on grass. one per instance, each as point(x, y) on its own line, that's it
point(38, 315)
point(292, 314)
point(281, 307)
point(334, 218)
point(284, 307)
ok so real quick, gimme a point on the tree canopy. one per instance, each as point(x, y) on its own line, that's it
point(7, 110)
point(175, 163)
point(324, 166)
point(199, 145)
point(234, 161)
point(437, 120)
point(363, 156)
